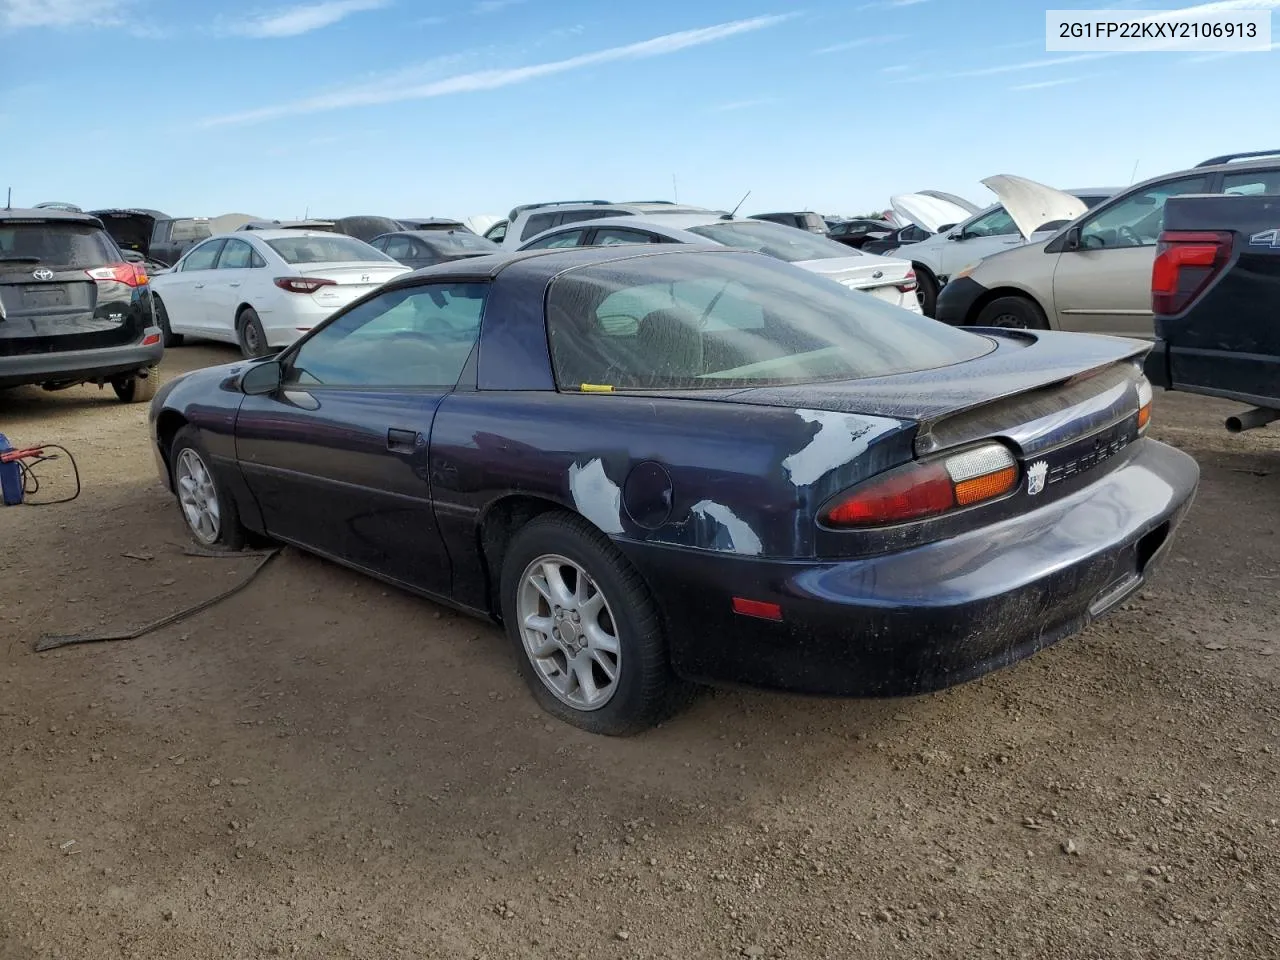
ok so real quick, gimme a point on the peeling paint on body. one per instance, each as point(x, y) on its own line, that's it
point(741, 538)
point(595, 496)
point(841, 438)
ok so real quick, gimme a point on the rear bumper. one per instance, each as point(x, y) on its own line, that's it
point(932, 617)
point(956, 301)
point(73, 366)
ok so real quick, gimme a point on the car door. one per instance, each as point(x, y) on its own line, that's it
point(230, 284)
point(183, 289)
point(337, 457)
point(1104, 284)
point(990, 233)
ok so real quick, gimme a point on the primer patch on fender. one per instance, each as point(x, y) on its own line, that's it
point(841, 437)
point(733, 534)
point(595, 496)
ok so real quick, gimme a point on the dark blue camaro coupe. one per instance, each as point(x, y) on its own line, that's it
point(663, 466)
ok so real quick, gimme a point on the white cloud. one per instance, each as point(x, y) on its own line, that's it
point(62, 14)
point(863, 42)
point(385, 91)
point(1045, 84)
point(304, 18)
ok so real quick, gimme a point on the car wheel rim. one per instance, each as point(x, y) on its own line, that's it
point(569, 632)
point(198, 497)
point(251, 337)
point(1009, 321)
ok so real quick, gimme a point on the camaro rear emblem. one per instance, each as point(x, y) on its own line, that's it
point(44, 273)
point(1035, 476)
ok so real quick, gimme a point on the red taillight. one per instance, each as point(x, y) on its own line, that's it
point(927, 489)
point(908, 282)
point(1185, 262)
point(151, 339)
point(303, 284)
point(130, 274)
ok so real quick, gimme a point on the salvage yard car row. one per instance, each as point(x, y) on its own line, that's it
point(662, 445)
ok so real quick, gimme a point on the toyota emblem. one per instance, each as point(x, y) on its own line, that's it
point(44, 273)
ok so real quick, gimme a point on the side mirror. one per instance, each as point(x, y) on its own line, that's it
point(1071, 241)
point(262, 379)
point(955, 236)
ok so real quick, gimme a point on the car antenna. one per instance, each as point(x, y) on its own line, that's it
point(732, 213)
point(8, 204)
point(1134, 174)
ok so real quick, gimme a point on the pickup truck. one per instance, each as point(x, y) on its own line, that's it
point(1215, 294)
point(159, 237)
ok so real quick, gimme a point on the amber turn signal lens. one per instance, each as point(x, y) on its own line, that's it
point(1144, 417)
point(986, 487)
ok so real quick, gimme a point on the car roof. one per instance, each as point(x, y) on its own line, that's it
point(47, 214)
point(277, 234)
point(546, 264)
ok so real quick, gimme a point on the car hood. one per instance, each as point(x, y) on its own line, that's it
point(927, 212)
point(1032, 204)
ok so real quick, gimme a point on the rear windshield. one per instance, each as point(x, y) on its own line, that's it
point(331, 249)
point(711, 321)
point(460, 240)
point(56, 244)
point(785, 243)
point(190, 230)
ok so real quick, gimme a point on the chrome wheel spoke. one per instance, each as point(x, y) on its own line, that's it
point(586, 679)
point(600, 639)
point(197, 496)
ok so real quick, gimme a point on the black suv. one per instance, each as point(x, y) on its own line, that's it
point(72, 309)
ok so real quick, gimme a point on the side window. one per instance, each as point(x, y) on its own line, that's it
point(413, 337)
point(256, 260)
point(497, 232)
point(202, 257)
point(537, 223)
point(841, 230)
point(997, 223)
point(1136, 220)
point(911, 234)
point(379, 243)
point(399, 248)
point(1252, 184)
point(236, 255)
point(609, 236)
point(567, 238)
point(577, 216)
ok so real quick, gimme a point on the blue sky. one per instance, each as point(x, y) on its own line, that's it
point(460, 107)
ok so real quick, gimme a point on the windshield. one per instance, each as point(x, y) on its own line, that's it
point(190, 230)
point(55, 244)
point(330, 249)
point(785, 243)
point(709, 320)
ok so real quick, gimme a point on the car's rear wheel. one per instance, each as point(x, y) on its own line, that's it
point(171, 339)
point(137, 387)
point(926, 291)
point(1016, 313)
point(207, 507)
point(253, 339)
point(587, 632)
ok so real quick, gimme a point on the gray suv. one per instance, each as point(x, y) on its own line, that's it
point(1094, 274)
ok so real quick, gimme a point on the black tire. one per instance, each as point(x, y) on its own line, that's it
point(171, 339)
point(646, 691)
point(230, 533)
point(1015, 313)
point(137, 387)
point(253, 339)
point(926, 290)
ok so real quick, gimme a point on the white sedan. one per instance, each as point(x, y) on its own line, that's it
point(263, 289)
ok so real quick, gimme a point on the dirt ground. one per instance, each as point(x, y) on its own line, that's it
point(325, 767)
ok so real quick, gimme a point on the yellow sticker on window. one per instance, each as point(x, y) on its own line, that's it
point(596, 388)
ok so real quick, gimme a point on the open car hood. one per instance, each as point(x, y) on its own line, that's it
point(1031, 204)
point(927, 212)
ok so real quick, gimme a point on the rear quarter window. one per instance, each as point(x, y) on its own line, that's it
point(56, 244)
point(184, 230)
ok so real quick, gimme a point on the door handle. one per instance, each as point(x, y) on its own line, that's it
point(197, 286)
point(236, 283)
point(402, 441)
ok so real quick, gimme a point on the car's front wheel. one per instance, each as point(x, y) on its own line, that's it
point(1017, 313)
point(253, 339)
point(207, 506)
point(926, 291)
point(587, 632)
point(137, 387)
point(171, 339)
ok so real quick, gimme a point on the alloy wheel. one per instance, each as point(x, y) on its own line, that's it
point(198, 497)
point(569, 632)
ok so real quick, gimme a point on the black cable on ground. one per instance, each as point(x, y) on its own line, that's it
point(50, 641)
point(31, 482)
